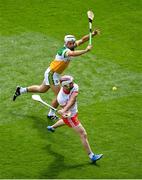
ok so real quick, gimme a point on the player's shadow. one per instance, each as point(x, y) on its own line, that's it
point(58, 165)
point(40, 123)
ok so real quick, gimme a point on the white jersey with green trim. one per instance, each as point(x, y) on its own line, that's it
point(61, 54)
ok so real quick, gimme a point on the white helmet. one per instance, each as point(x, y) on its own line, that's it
point(69, 38)
point(66, 80)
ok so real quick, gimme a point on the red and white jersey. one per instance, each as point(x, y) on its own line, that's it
point(63, 98)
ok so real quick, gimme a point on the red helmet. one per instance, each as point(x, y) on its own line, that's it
point(66, 80)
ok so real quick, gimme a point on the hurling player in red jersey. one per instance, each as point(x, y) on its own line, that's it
point(67, 99)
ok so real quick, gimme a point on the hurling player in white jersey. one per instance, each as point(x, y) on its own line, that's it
point(67, 99)
point(55, 69)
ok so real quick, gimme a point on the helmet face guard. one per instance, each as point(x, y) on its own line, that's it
point(66, 80)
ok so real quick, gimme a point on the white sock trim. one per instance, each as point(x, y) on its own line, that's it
point(23, 90)
point(51, 112)
point(91, 155)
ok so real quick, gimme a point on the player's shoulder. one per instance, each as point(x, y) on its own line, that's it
point(75, 87)
point(62, 50)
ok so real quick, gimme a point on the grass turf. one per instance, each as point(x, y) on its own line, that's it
point(30, 34)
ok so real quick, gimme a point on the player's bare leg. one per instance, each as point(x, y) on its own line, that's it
point(51, 115)
point(56, 90)
point(33, 89)
point(83, 135)
point(38, 88)
point(54, 126)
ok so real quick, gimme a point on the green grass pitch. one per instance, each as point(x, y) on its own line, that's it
point(31, 32)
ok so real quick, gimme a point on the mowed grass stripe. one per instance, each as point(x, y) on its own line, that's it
point(32, 54)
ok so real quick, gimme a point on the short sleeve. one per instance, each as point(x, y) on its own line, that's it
point(76, 88)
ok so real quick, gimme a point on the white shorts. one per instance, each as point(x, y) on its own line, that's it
point(51, 78)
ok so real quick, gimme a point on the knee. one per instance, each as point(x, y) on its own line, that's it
point(41, 89)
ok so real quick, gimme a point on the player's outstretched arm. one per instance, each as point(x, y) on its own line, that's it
point(79, 52)
point(86, 37)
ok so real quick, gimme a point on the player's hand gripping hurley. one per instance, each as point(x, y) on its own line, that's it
point(90, 15)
